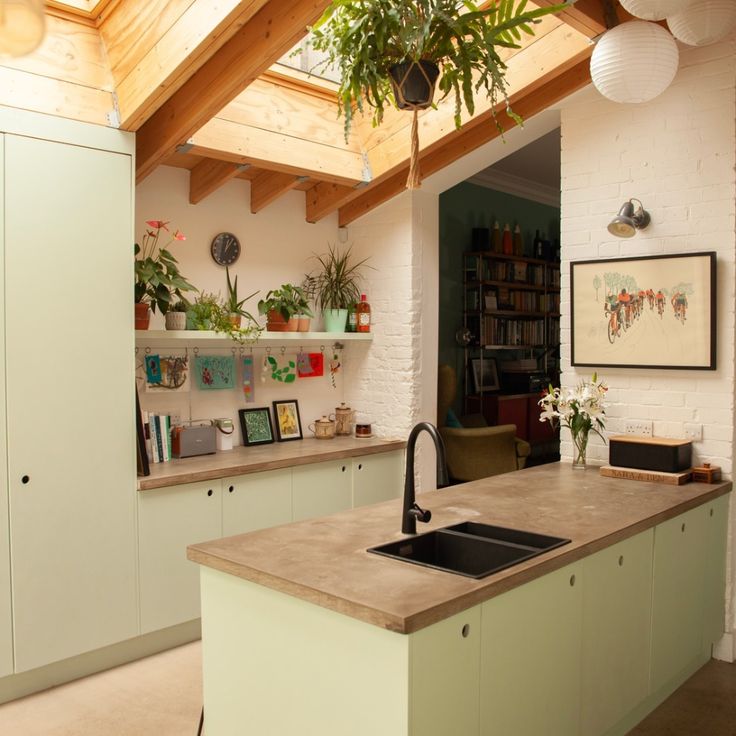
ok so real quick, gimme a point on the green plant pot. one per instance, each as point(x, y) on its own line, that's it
point(335, 319)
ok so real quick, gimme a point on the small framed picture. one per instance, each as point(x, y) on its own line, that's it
point(485, 375)
point(256, 426)
point(288, 424)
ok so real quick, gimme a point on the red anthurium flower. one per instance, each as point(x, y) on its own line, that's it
point(179, 235)
point(158, 224)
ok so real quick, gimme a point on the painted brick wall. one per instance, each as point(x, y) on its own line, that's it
point(677, 155)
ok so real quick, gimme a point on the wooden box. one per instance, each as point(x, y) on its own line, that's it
point(650, 453)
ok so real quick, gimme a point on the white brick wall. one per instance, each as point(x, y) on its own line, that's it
point(677, 154)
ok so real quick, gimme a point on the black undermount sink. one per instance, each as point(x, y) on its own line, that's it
point(470, 549)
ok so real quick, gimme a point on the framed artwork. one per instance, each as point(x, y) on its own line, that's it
point(288, 424)
point(645, 312)
point(256, 426)
point(485, 374)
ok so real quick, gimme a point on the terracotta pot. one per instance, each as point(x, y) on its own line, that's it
point(413, 83)
point(303, 324)
point(142, 315)
point(176, 320)
point(276, 323)
point(236, 320)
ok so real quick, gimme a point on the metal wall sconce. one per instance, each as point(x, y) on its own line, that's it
point(629, 220)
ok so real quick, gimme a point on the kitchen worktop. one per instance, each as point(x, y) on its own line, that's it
point(324, 560)
point(254, 459)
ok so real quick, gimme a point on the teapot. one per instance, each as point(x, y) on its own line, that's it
point(323, 429)
point(344, 419)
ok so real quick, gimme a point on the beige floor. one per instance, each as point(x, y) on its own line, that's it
point(157, 696)
point(161, 696)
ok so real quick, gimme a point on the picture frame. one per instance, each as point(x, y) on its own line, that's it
point(255, 424)
point(287, 421)
point(668, 320)
point(485, 374)
point(141, 456)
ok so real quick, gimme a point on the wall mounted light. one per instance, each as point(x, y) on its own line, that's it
point(629, 220)
point(22, 26)
point(634, 62)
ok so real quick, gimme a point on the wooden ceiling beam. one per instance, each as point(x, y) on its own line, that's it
point(538, 96)
point(269, 186)
point(270, 33)
point(588, 16)
point(325, 198)
point(208, 176)
point(230, 141)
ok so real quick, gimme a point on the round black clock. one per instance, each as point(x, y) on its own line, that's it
point(225, 249)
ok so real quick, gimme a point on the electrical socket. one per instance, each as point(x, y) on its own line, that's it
point(693, 431)
point(642, 427)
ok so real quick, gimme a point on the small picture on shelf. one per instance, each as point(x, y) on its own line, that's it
point(288, 424)
point(256, 426)
point(485, 374)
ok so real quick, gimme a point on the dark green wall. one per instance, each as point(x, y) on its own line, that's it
point(461, 209)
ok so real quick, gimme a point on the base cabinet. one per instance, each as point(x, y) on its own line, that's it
point(256, 501)
point(321, 489)
point(377, 478)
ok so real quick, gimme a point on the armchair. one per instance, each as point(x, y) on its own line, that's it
point(476, 451)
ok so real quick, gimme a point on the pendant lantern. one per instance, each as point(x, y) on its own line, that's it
point(703, 21)
point(654, 9)
point(22, 26)
point(634, 62)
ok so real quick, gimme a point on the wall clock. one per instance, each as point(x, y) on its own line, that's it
point(225, 249)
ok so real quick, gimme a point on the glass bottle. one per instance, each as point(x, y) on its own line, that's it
point(363, 314)
point(352, 324)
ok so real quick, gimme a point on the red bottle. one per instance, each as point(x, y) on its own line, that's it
point(363, 315)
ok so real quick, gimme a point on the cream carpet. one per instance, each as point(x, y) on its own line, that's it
point(157, 696)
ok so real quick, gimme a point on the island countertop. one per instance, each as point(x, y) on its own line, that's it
point(324, 560)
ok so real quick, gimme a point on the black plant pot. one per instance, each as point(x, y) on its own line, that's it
point(412, 89)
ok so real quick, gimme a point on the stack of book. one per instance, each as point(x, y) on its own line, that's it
point(157, 429)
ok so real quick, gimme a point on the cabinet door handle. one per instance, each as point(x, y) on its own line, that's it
point(210, 492)
point(682, 528)
point(465, 631)
point(25, 479)
point(572, 580)
point(360, 467)
point(231, 489)
point(711, 512)
point(621, 561)
point(343, 468)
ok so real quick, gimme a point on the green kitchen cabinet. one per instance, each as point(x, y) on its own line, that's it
point(377, 477)
point(716, 533)
point(6, 623)
point(321, 489)
point(169, 519)
point(256, 501)
point(617, 594)
point(530, 657)
point(678, 596)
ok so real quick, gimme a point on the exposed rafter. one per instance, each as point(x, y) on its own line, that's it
point(326, 198)
point(208, 176)
point(269, 186)
point(588, 16)
point(270, 33)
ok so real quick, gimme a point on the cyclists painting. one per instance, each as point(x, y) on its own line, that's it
point(657, 311)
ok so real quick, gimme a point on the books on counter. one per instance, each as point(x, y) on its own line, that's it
point(157, 430)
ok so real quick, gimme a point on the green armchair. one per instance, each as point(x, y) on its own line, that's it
point(475, 450)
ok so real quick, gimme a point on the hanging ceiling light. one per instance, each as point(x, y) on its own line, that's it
point(634, 62)
point(629, 220)
point(703, 21)
point(22, 26)
point(654, 9)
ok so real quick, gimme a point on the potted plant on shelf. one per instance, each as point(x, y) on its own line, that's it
point(281, 307)
point(394, 51)
point(210, 312)
point(157, 276)
point(176, 317)
point(233, 305)
point(336, 286)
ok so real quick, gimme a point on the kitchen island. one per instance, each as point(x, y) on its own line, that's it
point(306, 632)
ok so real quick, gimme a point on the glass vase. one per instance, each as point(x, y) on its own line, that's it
point(580, 447)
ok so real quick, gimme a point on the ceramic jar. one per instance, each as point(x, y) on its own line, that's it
point(344, 420)
point(323, 429)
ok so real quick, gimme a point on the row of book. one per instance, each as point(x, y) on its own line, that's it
point(499, 331)
point(157, 430)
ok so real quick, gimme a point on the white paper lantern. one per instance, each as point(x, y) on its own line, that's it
point(703, 21)
point(654, 9)
point(634, 62)
point(22, 26)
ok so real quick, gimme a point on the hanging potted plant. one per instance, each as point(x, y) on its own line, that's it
point(233, 305)
point(394, 51)
point(281, 307)
point(157, 276)
point(336, 286)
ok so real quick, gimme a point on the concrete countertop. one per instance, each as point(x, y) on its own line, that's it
point(324, 560)
point(255, 459)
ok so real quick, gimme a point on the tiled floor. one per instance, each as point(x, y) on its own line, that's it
point(161, 696)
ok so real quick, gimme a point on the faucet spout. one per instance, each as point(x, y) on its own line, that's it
point(411, 511)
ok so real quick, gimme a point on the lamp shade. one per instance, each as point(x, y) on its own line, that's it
point(634, 62)
point(654, 9)
point(703, 21)
point(22, 26)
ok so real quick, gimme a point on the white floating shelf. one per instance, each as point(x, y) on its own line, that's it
point(192, 338)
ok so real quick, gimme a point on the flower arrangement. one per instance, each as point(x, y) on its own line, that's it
point(157, 276)
point(582, 410)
